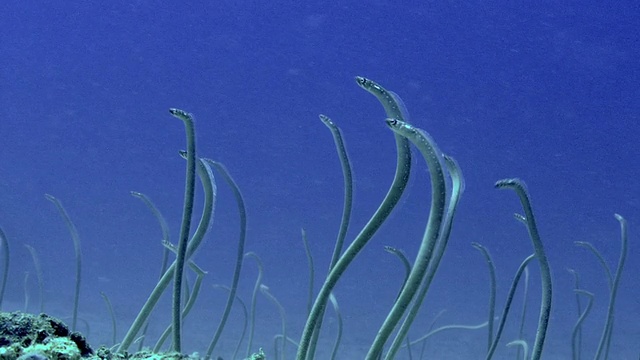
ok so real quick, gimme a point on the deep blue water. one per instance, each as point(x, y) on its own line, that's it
point(546, 92)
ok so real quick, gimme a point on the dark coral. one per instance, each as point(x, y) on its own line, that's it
point(27, 329)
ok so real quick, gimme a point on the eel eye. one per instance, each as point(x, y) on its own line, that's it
point(393, 122)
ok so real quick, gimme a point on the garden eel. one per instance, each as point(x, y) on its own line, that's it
point(38, 267)
point(348, 186)
point(164, 227)
point(523, 346)
point(445, 328)
point(243, 306)
point(523, 310)
point(606, 334)
point(5, 268)
point(210, 192)
point(346, 216)
point(601, 260)
point(254, 298)
point(264, 289)
point(575, 334)
point(165, 254)
point(457, 188)
point(336, 309)
point(405, 263)
point(242, 212)
point(492, 288)
point(403, 167)
point(576, 346)
point(114, 325)
point(392, 104)
point(507, 305)
point(435, 163)
point(310, 267)
point(76, 246)
point(545, 272)
point(191, 300)
point(185, 228)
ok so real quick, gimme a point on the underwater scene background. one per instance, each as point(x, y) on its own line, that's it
point(547, 92)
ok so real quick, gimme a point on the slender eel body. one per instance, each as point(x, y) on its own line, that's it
point(5, 268)
point(435, 162)
point(606, 334)
point(403, 168)
point(457, 188)
point(346, 215)
point(348, 186)
point(210, 192)
point(187, 211)
point(545, 307)
point(76, 245)
point(242, 212)
point(507, 305)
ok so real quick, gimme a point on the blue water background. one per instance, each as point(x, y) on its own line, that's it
point(547, 92)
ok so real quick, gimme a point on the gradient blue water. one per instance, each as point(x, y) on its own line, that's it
point(547, 92)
